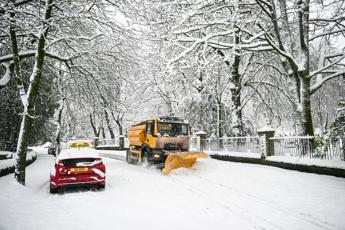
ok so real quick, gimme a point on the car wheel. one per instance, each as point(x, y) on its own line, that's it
point(101, 186)
point(53, 190)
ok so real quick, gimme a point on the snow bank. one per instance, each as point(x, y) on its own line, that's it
point(285, 159)
point(112, 152)
point(115, 154)
point(234, 154)
point(39, 149)
point(11, 162)
point(7, 166)
point(308, 161)
point(6, 154)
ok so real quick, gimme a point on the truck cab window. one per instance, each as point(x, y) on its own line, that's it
point(150, 127)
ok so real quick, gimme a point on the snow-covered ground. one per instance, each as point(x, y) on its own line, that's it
point(287, 159)
point(309, 161)
point(212, 195)
point(234, 154)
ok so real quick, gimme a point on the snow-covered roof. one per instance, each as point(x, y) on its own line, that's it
point(77, 153)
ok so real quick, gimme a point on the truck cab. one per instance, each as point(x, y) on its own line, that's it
point(153, 139)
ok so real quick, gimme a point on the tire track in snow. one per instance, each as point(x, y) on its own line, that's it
point(249, 198)
point(243, 214)
point(308, 218)
point(245, 196)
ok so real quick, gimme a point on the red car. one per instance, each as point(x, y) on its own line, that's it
point(77, 167)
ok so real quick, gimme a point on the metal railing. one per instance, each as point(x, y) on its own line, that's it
point(234, 144)
point(111, 142)
point(292, 146)
point(194, 143)
point(308, 146)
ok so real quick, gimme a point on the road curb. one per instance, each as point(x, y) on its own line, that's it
point(338, 172)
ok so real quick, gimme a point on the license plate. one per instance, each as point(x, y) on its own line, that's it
point(78, 169)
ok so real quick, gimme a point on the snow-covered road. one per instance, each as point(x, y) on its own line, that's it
point(211, 195)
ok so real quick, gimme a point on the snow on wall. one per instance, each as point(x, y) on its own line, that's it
point(6, 164)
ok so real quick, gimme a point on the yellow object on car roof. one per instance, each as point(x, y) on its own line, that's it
point(80, 144)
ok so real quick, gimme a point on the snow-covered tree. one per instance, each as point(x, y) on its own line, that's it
point(292, 29)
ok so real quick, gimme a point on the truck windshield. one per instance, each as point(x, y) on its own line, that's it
point(172, 129)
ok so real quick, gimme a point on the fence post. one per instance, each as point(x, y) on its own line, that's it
point(342, 147)
point(95, 141)
point(214, 142)
point(121, 142)
point(222, 141)
point(266, 145)
point(201, 141)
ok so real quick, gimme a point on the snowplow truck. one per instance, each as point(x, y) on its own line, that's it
point(162, 141)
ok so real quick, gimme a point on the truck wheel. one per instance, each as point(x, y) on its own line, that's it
point(128, 157)
point(145, 159)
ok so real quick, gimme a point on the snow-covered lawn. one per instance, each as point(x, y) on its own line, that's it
point(235, 154)
point(287, 159)
point(212, 195)
point(308, 161)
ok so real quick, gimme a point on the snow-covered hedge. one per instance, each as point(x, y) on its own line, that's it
point(326, 167)
point(5, 155)
point(8, 166)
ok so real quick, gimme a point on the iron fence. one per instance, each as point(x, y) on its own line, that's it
point(292, 146)
point(194, 143)
point(308, 146)
point(111, 142)
point(234, 144)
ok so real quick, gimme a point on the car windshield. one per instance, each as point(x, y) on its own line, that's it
point(172, 129)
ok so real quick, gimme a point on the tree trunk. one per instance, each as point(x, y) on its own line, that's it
point(121, 138)
point(238, 129)
point(29, 111)
point(103, 132)
point(219, 123)
point(343, 149)
point(16, 59)
point(237, 114)
point(236, 94)
point(219, 119)
point(58, 124)
point(96, 133)
point(304, 59)
point(111, 131)
point(307, 120)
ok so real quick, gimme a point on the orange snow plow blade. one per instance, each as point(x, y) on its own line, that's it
point(177, 160)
